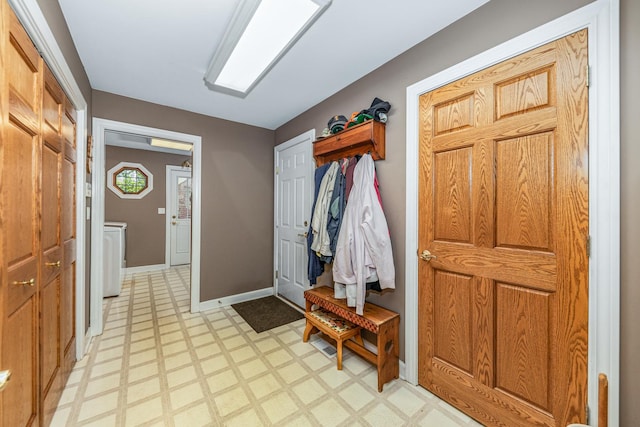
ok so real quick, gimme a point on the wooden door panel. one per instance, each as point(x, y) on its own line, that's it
point(524, 192)
point(22, 66)
point(453, 303)
point(453, 220)
point(69, 131)
point(503, 204)
point(51, 384)
point(455, 114)
point(50, 199)
point(49, 333)
point(68, 298)
point(68, 200)
point(523, 365)
point(20, 357)
point(525, 92)
point(19, 177)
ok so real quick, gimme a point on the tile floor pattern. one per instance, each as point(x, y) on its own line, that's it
point(156, 364)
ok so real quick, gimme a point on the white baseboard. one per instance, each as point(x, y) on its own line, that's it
point(403, 370)
point(145, 268)
point(234, 299)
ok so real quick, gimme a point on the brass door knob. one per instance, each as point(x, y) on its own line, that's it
point(427, 256)
point(5, 376)
point(305, 234)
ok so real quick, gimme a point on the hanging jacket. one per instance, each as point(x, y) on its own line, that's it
point(321, 241)
point(336, 211)
point(364, 250)
point(315, 266)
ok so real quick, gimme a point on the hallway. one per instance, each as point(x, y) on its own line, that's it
point(156, 364)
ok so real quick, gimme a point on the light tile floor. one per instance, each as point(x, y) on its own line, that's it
point(156, 364)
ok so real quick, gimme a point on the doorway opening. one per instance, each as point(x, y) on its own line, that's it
point(178, 215)
point(105, 133)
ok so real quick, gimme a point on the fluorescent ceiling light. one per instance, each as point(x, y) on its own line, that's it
point(259, 34)
point(184, 146)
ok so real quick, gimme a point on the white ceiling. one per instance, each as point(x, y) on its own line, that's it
point(159, 50)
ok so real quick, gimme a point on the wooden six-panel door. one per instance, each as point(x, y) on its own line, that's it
point(503, 288)
point(37, 231)
point(20, 202)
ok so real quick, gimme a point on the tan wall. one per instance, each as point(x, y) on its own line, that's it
point(484, 28)
point(237, 192)
point(630, 212)
point(146, 232)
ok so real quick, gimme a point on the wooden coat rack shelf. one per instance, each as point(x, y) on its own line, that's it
point(367, 137)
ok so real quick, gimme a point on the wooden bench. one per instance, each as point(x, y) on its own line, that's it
point(378, 320)
point(332, 325)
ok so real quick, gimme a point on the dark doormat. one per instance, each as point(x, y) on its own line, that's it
point(267, 313)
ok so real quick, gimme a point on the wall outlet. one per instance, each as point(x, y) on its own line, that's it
point(161, 211)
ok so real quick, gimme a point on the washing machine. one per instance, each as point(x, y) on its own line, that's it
point(115, 243)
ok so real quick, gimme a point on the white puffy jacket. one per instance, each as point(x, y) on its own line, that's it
point(364, 246)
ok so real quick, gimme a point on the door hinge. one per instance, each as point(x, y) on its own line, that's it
point(276, 274)
point(277, 170)
point(588, 76)
point(588, 246)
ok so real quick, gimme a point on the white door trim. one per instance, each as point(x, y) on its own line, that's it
point(602, 19)
point(309, 136)
point(168, 202)
point(97, 224)
point(34, 22)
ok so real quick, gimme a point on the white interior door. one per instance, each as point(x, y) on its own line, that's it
point(294, 189)
point(179, 215)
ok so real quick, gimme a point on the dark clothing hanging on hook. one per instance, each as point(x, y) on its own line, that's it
point(315, 266)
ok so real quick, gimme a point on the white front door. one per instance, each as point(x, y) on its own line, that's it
point(294, 190)
point(179, 214)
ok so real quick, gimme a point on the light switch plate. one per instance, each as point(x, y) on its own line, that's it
point(161, 211)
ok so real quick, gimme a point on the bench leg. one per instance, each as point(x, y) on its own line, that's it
point(308, 330)
point(358, 339)
point(339, 348)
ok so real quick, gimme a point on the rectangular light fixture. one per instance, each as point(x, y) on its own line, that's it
point(175, 145)
point(259, 34)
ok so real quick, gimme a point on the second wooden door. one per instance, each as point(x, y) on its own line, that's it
point(503, 239)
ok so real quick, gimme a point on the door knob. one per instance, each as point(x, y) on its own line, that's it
point(426, 256)
point(5, 376)
point(305, 234)
point(173, 222)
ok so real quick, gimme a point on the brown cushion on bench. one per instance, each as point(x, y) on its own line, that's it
point(332, 320)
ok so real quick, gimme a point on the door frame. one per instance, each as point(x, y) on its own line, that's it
point(167, 244)
point(98, 203)
point(35, 24)
point(309, 136)
point(602, 20)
